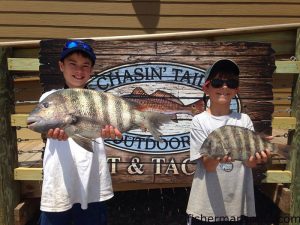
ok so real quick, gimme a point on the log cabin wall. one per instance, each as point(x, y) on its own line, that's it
point(28, 20)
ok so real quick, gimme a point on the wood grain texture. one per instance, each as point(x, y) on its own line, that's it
point(151, 8)
point(23, 20)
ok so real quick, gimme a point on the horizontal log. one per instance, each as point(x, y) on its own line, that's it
point(219, 48)
point(23, 64)
point(23, 173)
point(25, 79)
point(287, 67)
point(24, 107)
point(100, 34)
point(26, 133)
point(257, 109)
point(284, 122)
point(206, 1)
point(19, 120)
point(141, 21)
point(282, 111)
point(282, 98)
point(151, 8)
point(278, 176)
point(283, 83)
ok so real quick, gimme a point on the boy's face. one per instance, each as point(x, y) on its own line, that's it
point(76, 69)
point(223, 94)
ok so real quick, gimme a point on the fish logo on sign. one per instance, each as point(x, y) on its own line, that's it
point(164, 87)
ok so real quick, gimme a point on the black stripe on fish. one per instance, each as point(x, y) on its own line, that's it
point(119, 106)
point(104, 109)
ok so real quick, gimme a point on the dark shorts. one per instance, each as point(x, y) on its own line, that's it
point(95, 214)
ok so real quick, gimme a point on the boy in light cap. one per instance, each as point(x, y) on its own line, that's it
point(76, 183)
point(222, 191)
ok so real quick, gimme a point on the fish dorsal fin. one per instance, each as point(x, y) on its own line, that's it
point(168, 96)
point(84, 142)
point(138, 91)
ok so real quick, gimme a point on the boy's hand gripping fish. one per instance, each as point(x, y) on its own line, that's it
point(239, 143)
point(82, 114)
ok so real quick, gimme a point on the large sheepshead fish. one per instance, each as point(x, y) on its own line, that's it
point(82, 114)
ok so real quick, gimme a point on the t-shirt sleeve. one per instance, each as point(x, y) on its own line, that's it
point(248, 122)
point(197, 137)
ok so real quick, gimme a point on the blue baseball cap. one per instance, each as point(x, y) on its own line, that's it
point(77, 45)
point(222, 65)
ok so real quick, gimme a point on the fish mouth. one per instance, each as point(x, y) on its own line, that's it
point(32, 121)
point(31, 124)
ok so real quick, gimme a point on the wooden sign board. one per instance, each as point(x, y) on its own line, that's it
point(167, 77)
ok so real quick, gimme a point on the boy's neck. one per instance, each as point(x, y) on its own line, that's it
point(67, 87)
point(219, 111)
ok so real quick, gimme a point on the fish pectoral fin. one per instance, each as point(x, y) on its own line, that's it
point(70, 119)
point(84, 142)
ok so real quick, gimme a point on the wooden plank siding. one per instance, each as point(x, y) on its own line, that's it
point(25, 20)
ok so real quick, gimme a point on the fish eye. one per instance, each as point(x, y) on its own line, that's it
point(46, 104)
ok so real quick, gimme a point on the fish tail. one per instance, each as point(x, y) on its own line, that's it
point(283, 150)
point(153, 121)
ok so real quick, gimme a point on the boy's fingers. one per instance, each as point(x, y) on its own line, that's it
point(268, 152)
point(258, 157)
point(264, 157)
point(62, 135)
point(58, 134)
point(118, 133)
point(112, 132)
point(103, 133)
point(55, 133)
point(50, 133)
point(251, 159)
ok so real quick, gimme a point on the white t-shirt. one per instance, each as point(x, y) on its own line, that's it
point(228, 192)
point(72, 175)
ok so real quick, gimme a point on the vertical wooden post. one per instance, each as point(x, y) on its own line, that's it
point(295, 156)
point(9, 189)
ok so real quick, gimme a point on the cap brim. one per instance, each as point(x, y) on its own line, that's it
point(67, 52)
point(225, 65)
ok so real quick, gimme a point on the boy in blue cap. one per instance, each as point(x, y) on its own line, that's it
point(222, 190)
point(76, 182)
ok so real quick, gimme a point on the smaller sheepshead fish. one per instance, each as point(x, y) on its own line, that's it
point(82, 113)
point(239, 143)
